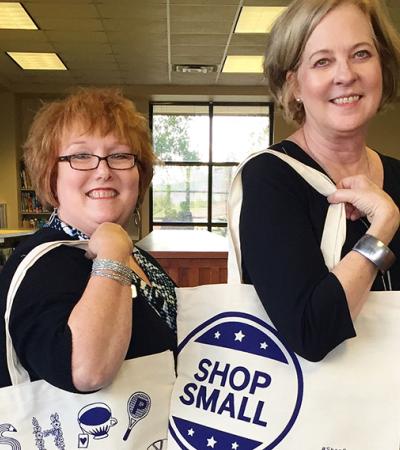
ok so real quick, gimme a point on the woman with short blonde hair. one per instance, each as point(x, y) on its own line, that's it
point(331, 65)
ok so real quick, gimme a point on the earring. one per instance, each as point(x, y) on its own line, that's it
point(299, 100)
point(136, 217)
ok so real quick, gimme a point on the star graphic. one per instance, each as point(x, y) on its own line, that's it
point(235, 446)
point(217, 335)
point(263, 345)
point(239, 336)
point(191, 432)
point(211, 442)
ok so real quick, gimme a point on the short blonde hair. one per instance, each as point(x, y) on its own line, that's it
point(102, 110)
point(289, 36)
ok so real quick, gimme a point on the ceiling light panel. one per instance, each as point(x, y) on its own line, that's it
point(13, 16)
point(243, 64)
point(257, 19)
point(37, 61)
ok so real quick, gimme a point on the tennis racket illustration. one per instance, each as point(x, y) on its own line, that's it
point(138, 407)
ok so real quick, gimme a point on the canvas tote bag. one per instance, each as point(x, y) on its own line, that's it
point(239, 387)
point(131, 413)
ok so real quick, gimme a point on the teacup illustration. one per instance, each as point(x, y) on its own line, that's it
point(96, 420)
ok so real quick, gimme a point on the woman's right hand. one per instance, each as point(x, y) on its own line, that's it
point(364, 198)
point(110, 241)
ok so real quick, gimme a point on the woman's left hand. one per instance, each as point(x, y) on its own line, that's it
point(364, 198)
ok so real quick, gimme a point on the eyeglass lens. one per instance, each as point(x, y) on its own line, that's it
point(114, 161)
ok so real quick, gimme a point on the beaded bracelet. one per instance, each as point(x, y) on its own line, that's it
point(113, 270)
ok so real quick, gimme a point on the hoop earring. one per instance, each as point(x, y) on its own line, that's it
point(136, 217)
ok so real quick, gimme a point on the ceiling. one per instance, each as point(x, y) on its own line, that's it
point(133, 42)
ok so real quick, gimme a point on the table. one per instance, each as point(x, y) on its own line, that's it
point(190, 257)
point(8, 237)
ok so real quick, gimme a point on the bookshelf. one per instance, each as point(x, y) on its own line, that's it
point(33, 214)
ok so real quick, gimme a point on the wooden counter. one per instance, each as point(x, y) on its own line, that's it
point(190, 257)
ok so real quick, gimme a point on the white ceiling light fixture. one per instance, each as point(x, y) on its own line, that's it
point(13, 16)
point(258, 19)
point(37, 61)
point(195, 68)
point(243, 64)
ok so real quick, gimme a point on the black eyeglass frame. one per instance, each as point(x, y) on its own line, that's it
point(99, 159)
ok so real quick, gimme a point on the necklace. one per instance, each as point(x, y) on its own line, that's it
point(323, 166)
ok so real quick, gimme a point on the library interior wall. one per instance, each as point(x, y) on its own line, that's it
point(9, 183)
point(17, 111)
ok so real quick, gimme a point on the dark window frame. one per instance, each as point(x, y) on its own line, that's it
point(210, 164)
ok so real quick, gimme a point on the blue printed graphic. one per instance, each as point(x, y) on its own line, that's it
point(161, 444)
point(139, 405)
point(204, 438)
point(11, 443)
point(242, 337)
point(54, 432)
point(95, 419)
point(239, 377)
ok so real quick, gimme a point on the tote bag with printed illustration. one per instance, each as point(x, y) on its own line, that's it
point(240, 387)
point(131, 413)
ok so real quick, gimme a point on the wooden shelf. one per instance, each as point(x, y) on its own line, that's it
point(32, 213)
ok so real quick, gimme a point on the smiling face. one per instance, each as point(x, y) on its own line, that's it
point(339, 79)
point(88, 198)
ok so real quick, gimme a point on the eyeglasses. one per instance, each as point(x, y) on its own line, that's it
point(87, 161)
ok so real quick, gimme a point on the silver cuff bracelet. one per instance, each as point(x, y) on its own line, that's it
point(375, 251)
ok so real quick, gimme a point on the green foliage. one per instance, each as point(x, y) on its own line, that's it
point(171, 138)
point(171, 143)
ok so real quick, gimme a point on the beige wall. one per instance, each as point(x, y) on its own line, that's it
point(384, 131)
point(8, 158)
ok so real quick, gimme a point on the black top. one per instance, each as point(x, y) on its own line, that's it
point(281, 225)
point(43, 303)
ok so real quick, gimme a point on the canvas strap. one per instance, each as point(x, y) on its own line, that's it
point(17, 373)
point(334, 233)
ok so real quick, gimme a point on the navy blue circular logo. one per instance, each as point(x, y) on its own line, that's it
point(238, 386)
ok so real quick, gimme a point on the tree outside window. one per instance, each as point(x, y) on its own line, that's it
point(199, 146)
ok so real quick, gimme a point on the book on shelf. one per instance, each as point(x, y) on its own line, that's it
point(25, 180)
point(31, 204)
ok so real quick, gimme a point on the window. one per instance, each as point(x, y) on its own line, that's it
point(200, 144)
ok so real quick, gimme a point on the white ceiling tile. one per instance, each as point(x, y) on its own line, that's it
point(22, 36)
point(77, 25)
point(146, 26)
point(195, 13)
point(189, 3)
point(192, 59)
point(248, 39)
point(193, 78)
point(133, 36)
point(129, 50)
point(65, 10)
point(214, 53)
point(125, 42)
point(199, 39)
point(132, 10)
point(189, 27)
point(97, 37)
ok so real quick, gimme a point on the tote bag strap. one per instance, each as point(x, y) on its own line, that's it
point(334, 233)
point(17, 373)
